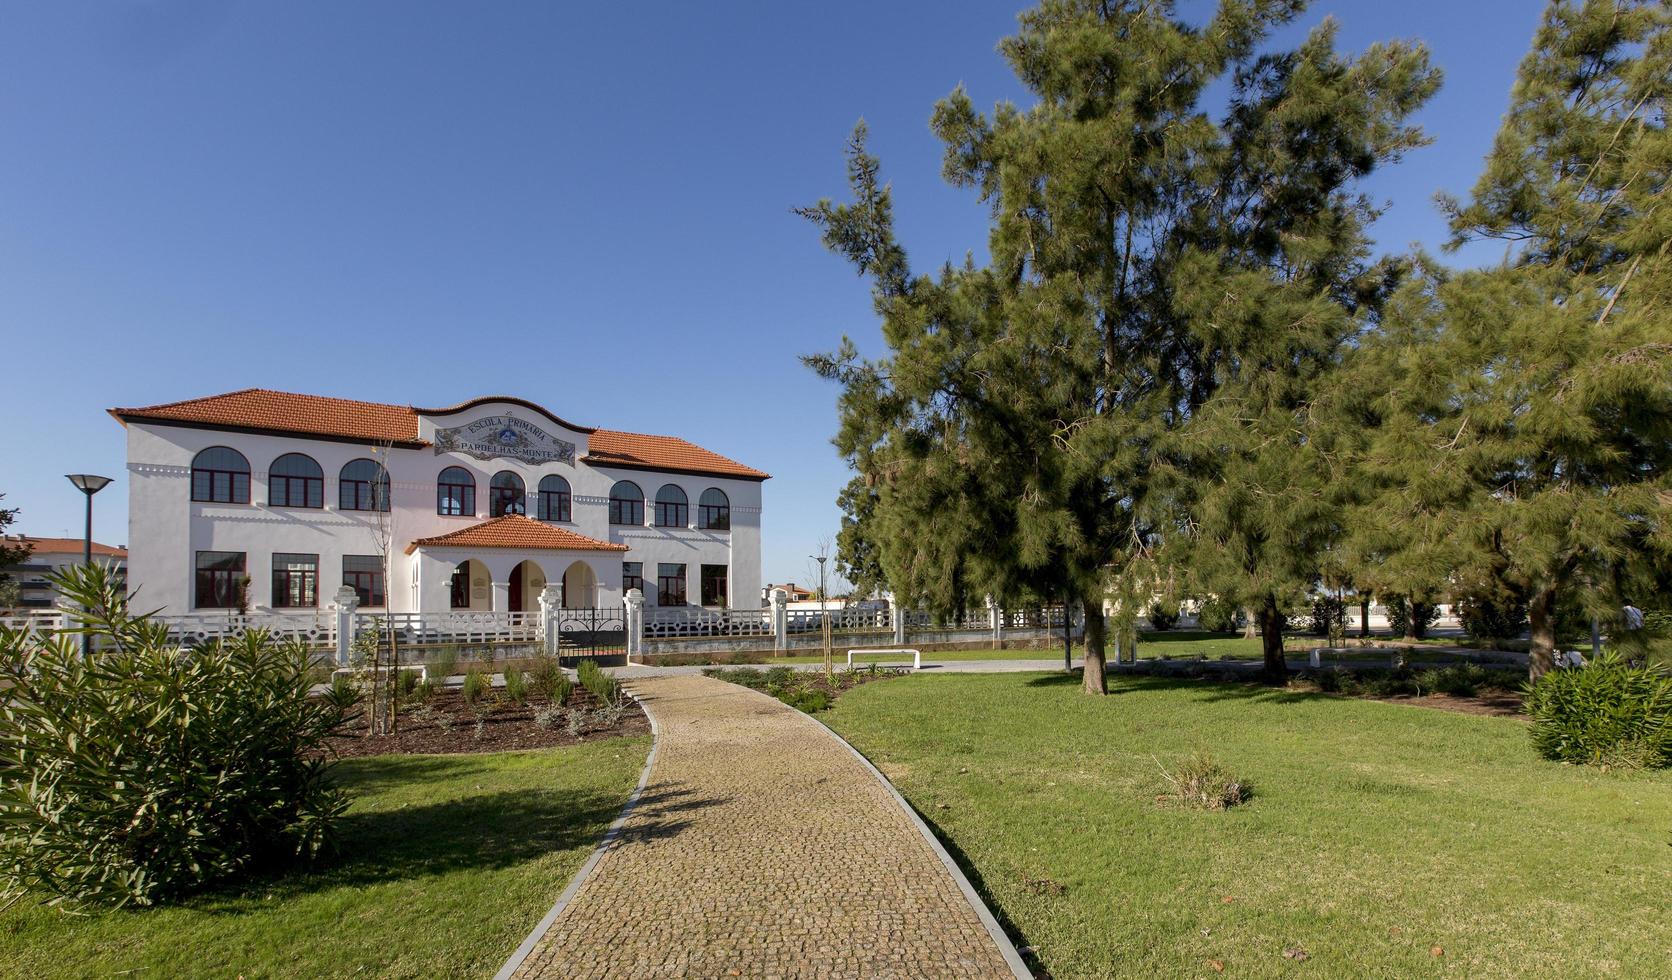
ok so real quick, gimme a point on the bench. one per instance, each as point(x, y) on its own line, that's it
point(916, 657)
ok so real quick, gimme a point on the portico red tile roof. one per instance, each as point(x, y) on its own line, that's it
point(515, 531)
point(285, 413)
point(62, 546)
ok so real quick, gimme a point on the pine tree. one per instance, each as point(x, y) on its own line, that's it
point(1562, 357)
point(1145, 256)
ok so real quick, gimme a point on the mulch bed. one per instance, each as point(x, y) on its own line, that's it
point(1496, 704)
point(447, 726)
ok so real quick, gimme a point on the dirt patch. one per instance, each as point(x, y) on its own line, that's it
point(1501, 704)
point(445, 725)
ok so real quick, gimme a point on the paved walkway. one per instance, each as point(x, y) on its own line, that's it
point(762, 847)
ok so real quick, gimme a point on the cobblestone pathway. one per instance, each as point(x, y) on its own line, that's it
point(762, 848)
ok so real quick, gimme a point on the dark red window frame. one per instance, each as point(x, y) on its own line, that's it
point(454, 499)
point(306, 580)
point(632, 576)
point(671, 589)
point(627, 511)
point(217, 585)
point(715, 588)
point(365, 578)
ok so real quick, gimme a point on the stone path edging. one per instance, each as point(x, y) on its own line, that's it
point(614, 831)
point(1012, 956)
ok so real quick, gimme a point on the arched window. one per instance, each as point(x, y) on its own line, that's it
point(506, 494)
point(455, 493)
point(295, 480)
point(672, 507)
point(554, 499)
point(714, 510)
point(363, 484)
point(626, 503)
point(221, 476)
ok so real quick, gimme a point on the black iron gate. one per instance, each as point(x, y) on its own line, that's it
point(592, 634)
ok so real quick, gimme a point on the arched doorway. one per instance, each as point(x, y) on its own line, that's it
point(471, 587)
point(580, 586)
point(527, 582)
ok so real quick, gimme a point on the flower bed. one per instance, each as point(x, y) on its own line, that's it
point(446, 723)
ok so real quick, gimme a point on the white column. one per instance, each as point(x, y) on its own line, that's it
point(347, 600)
point(551, 600)
point(780, 621)
point(502, 597)
point(634, 602)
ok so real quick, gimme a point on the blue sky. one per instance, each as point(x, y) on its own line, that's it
point(583, 204)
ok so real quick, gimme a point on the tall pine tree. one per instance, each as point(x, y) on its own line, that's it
point(1561, 405)
point(1147, 255)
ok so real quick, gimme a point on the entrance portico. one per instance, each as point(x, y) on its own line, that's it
point(504, 565)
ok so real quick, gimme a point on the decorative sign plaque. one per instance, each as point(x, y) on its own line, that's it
point(504, 436)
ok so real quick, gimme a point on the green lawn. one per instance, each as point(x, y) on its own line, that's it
point(1377, 832)
point(929, 656)
point(448, 862)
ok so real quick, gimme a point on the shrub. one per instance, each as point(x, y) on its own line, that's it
point(808, 699)
point(1329, 616)
point(477, 683)
point(344, 693)
point(145, 771)
point(548, 717)
point(406, 684)
point(1218, 616)
point(1162, 617)
point(1492, 618)
point(602, 685)
point(516, 685)
point(1407, 618)
point(1606, 712)
point(445, 663)
point(1201, 781)
point(548, 681)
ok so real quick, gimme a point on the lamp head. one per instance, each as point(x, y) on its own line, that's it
point(88, 483)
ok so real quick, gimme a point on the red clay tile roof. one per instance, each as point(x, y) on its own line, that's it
point(261, 410)
point(634, 450)
point(515, 531)
point(281, 411)
point(63, 546)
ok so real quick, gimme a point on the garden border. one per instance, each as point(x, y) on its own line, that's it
point(533, 939)
point(1012, 957)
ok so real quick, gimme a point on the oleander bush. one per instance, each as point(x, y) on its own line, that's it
point(1605, 713)
point(146, 771)
point(1218, 616)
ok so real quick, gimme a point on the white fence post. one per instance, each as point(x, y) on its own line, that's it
point(780, 621)
point(347, 601)
point(551, 600)
point(995, 615)
point(899, 613)
point(634, 602)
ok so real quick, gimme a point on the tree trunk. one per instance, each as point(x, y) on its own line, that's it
point(1272, 623)
point(1541, 615)
point(1251, 623)
point(1096, 640)
point(1412, 614)
point(1364, 615)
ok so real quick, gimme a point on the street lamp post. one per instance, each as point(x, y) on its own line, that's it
point(88, 484)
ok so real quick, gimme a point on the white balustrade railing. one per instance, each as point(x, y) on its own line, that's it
point(209, 627)
point(667, 623)
point(853, 619)
point(458, 626)
point(40, 622)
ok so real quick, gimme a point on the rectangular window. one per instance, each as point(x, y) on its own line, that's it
point(364, 574)
point(670, 585)
point(296, 491)
point(220, 578)
point(554, 505)
point(714, 586)
point(455, 499)
point(295, 581)
point(714, 517)
point(632, 576)
point(671, 513)
point(626, 511)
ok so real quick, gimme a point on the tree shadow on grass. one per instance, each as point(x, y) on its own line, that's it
point(488, 831)
point(1209, 688)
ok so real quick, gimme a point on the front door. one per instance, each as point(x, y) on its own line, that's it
point(517, 588)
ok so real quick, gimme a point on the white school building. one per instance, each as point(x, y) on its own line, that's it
point(277, 500)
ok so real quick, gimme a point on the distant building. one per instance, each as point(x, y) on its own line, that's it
point(795, 592)
point(49, 555)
